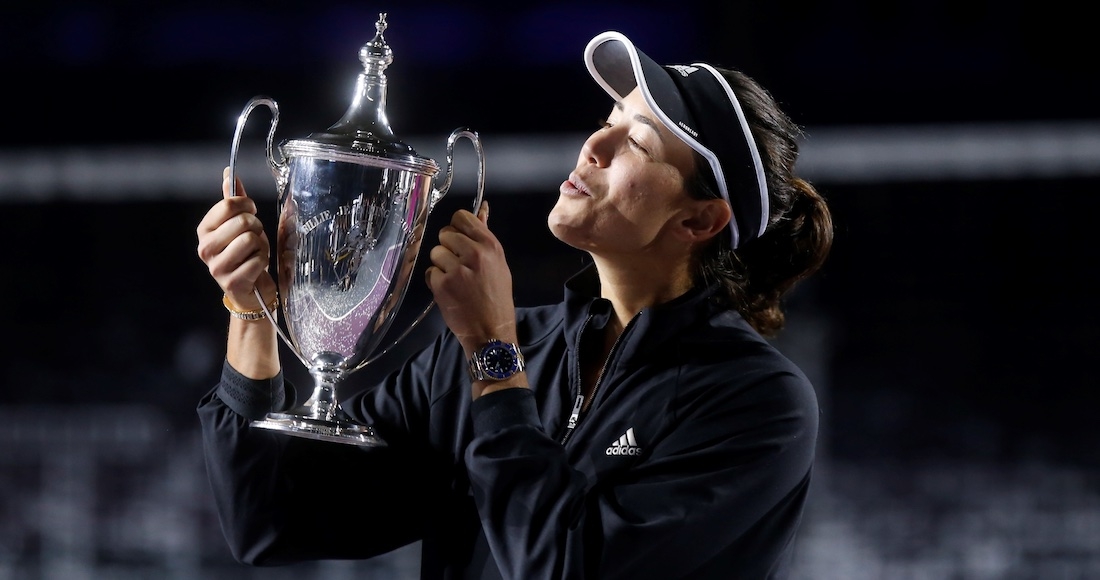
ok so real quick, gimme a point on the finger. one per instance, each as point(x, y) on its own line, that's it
point(236, 245)
point(429, 272)
point(243, 247)
point(225, 211)
point(213, 219)
point(444, 259)
point(471, 225)
point(465, 248)
point(228, 192)
point(435, 279)
point(483, 212)
point(473, 235)
point(223, 224)
point(237, 268)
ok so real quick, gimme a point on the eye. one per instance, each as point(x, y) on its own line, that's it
point(604, 124)
point(637, 145)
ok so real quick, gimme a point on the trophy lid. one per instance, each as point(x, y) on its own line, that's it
point(364, 129)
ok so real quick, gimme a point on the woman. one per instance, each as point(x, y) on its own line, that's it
point(644, 429)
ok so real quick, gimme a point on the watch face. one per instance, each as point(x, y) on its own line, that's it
point(499, 361)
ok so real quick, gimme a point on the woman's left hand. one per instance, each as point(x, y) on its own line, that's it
point(471, 282)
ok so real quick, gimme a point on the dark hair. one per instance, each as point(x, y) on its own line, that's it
point(755, 277)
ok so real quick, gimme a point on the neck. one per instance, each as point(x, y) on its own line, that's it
point(633, 287)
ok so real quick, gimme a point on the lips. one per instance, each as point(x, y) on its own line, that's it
point(575, 186)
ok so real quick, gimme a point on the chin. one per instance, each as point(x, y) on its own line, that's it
point(566, 234)
point(561, 229)
point(556, 228)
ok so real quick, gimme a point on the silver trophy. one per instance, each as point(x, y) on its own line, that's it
point(353, 202)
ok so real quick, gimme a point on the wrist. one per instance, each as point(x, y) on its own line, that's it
point(257, 313)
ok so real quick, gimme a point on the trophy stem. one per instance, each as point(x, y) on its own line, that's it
point(321, 417)
point(322, 403)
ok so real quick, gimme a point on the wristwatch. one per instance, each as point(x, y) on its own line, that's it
point(495, 361)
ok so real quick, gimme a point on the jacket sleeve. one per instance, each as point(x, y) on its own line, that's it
point(280, 498)
point(719, 495)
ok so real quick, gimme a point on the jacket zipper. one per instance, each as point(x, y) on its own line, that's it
point(579, 406)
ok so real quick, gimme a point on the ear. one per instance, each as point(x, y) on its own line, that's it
point(704, 219)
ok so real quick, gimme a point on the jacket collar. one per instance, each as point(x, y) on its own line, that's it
point(651, 328)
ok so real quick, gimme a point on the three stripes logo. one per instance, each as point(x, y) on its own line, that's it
point(683, 69)
point(626, 445)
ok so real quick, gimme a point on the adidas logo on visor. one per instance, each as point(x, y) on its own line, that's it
point(683, 69)
point(626, 445)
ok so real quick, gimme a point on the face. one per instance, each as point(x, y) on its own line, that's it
point(628, 189)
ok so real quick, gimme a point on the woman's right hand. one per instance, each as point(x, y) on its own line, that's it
point(235, 248)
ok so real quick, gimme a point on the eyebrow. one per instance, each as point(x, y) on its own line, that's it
point(641, 119)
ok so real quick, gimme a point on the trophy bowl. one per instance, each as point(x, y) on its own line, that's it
point(352, 205)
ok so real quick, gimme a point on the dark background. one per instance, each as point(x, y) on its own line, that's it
point(96, 72)
point(953, 328)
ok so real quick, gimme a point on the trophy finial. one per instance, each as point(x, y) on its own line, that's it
point(364, 126)
point(376, 54)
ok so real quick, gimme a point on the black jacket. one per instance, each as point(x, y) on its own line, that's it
point(693, 460)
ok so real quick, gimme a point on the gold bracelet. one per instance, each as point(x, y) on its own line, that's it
point(257, 314)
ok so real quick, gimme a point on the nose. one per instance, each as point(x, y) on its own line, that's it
point(599, 148)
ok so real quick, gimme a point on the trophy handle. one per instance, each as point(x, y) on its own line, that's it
point(437, 194)
point(448, 178)
point(279, 171)
point(278, 168)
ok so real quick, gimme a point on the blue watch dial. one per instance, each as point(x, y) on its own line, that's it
point(496, 361)
point(499, 361)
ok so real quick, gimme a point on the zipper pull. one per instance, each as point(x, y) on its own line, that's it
point(573, 418)
point(576, 413)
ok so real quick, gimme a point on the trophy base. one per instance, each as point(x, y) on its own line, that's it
point(334, 430)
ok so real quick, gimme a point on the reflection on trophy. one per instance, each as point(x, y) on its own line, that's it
point(353, 202)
